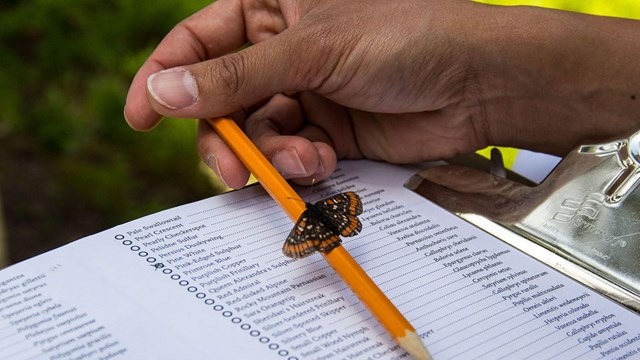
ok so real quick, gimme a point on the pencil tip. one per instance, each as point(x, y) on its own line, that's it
point(412, 344)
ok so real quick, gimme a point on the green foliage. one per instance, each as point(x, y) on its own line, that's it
point(61, 58)
point(66, 67)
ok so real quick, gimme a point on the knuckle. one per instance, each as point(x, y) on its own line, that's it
point(227, 74)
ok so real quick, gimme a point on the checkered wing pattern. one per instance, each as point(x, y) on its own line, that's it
point(342, 211)
point(320, 226)
point(308, 236)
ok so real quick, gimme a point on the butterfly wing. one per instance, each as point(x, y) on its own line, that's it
point(342, 211)
point(309, 235)
point(347, 202)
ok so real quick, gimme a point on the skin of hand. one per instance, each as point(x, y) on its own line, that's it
point(398, 81)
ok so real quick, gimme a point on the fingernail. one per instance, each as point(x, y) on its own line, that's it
point(173, 88)
point(319, 171)
point(212, 162)
point(288, 163)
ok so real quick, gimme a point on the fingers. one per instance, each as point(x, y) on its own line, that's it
point(217, 155)
point(264, 20)
point(467, 190)
point(214, 31)
point(229, 83)
point(297, 150)
point(335, 122)
point(275, 128)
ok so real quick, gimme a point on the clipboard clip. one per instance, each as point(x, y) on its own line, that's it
point(583, 219)
point(627, 154)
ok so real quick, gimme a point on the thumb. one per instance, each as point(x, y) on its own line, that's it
point(229, 83)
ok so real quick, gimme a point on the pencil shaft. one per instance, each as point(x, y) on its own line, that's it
point(259, 166)
point(339, 259)
point(368, 292)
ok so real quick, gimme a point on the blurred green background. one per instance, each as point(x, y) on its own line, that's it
point(69, 164)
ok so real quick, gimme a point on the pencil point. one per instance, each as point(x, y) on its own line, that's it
point(412, 344)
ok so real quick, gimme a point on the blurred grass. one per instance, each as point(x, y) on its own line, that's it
point(69, 164)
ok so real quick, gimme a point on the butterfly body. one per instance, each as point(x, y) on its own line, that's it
point(321, 224)
point(323, 217)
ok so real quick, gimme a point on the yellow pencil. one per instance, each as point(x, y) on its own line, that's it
point(339, 259)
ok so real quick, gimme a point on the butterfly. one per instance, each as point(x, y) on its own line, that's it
point(321, 224)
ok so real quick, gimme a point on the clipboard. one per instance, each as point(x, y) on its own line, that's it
point(583, 219)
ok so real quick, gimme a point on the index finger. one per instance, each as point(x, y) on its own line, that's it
point(213, 31)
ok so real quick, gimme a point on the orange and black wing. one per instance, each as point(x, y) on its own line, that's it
point(342, 210)
point(308, 236)
point(347, 202)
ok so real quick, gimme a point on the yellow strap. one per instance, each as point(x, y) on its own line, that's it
point(620, 8)
point(508, 155)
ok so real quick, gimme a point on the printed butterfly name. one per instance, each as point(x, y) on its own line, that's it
point(320, 226)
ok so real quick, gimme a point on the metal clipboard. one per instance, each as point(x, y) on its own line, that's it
point(583, 219)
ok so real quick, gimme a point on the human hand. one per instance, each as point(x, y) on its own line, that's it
point(396, 81)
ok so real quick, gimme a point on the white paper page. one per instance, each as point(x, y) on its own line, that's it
point(208, 280)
